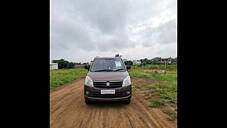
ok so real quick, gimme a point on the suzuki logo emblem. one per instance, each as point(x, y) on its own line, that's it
point(107, 84)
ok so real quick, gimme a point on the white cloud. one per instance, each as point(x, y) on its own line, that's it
point(83, 29)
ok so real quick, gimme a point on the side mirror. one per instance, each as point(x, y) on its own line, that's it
point(87, 67)
point(128, 67)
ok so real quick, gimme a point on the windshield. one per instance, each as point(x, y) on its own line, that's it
point(107, 65)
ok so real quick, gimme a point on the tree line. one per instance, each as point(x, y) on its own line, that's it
point(156, 60)
point(66, 64)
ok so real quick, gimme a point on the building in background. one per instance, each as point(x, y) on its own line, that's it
point(53, 66)
point(166, 60)
point(136, 62)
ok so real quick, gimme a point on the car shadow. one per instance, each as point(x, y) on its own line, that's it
point(109, 104)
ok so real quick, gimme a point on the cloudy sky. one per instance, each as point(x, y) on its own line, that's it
point(83, 29)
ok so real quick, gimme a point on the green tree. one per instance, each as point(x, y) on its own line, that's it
point(70, 65)
point(156, 60)
point(128, 62)
point(145, 61)
point(64, 63)
point(174, 60)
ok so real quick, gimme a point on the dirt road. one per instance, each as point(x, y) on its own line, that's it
point(68, 110)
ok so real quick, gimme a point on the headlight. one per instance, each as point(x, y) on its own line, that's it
point(127, 81)
point(88, 81)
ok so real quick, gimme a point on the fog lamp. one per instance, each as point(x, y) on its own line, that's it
point(87, 92)
point(127, 92)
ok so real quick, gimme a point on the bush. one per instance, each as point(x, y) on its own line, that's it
point(64, 63)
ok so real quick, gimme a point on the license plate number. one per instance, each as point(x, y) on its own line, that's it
point(107, 91)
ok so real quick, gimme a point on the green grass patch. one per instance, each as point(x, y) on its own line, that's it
point(165, 84)
point(62, 76)
point(156, 104)
point(166, 90)
point(160, 67)
point(146, 94)
point(137, 85)
point(148, 97)
point(172, 114)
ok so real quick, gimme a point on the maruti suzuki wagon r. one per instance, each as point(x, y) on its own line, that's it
point(107, 80)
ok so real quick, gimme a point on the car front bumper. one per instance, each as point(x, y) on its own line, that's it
point(94, 94)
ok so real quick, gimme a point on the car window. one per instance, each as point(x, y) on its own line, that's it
point(106, 64)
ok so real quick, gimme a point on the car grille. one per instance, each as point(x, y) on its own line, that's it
point(113, 84)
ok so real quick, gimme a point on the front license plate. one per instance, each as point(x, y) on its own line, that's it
point(107, 91)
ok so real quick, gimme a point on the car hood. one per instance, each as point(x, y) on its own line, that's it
point(108, 76)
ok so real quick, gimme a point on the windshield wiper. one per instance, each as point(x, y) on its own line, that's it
point(119, 69)
point(103, 70)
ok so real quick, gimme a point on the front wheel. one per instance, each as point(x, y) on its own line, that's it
point(88, 101)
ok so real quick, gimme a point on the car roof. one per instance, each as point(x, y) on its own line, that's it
point(106, 57)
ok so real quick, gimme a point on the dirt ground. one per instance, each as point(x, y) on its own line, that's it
point(68, 110)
